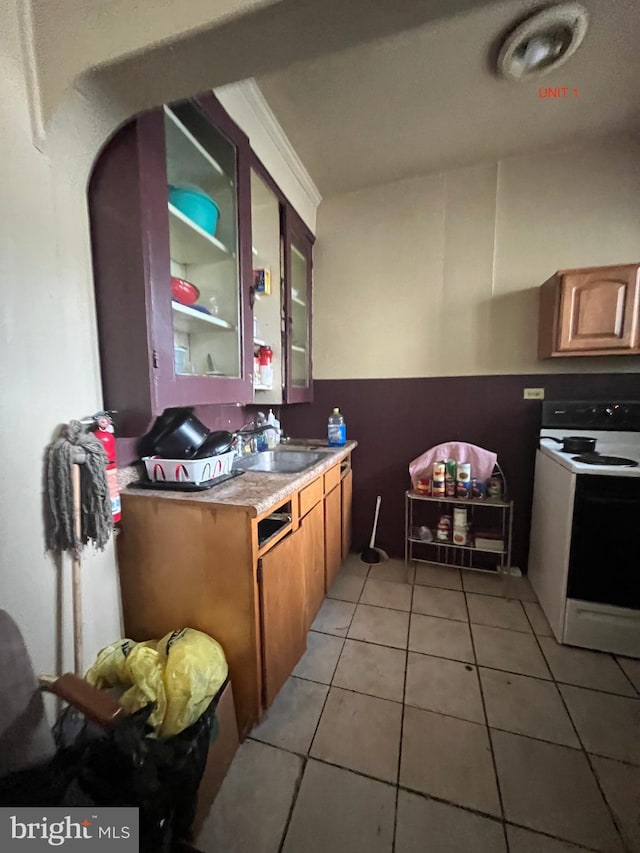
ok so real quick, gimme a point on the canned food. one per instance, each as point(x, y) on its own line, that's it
point(463, 490)
point(437, 488)
point(459, 518)
point(423, 486)
point(449, 487)
point(450, 469)
point(478, 489)
point(439, 470)
point(460, 535)
point(494, 488)
point(464, 472)
point(443, 530)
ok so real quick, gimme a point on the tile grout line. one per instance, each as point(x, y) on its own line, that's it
point(578, 748)
point(398, 786)
point(624, 672)
point(583, 747)
point(306, 756)
point(488, 728)
point(425, 796)
point(404, 705)
point(294, 800)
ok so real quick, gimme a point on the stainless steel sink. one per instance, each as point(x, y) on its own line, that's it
point(279, 461)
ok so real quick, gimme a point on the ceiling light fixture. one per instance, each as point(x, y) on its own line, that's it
point(543, 41)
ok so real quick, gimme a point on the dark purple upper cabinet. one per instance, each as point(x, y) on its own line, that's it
point(170, 197)
point(298, 272)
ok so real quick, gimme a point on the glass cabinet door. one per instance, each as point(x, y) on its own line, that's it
point(202, 199)
point(267, 297)
point(299, 272)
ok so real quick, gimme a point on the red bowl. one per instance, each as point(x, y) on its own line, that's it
point(184, 291)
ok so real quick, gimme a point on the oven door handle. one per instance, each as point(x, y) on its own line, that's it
point(608, 501)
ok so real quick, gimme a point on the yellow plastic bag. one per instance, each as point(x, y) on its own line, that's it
point(180, 673)
point(144, 669)
point(194, 670)
point(109, 667)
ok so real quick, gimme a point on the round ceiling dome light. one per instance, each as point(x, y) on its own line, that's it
point(543, 41)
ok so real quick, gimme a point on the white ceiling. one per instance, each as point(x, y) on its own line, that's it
point(426, 100)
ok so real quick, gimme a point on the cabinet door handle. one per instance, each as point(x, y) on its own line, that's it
point(155, 359)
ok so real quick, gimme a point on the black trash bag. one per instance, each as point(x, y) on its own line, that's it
point(123, 766)
point(127, 767)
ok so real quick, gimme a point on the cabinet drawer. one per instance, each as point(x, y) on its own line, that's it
point(331, 479)
point(310, 495)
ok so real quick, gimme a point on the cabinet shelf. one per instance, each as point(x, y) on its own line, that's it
point(182, 144)
point(263, 387)
point(259, 342)
point(296, 348)
point(298, 301)
point(416, 496)
point(191, 244)
point(189, 320)
point(440, 543)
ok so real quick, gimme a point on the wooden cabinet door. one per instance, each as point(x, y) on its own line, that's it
point(155, 352)
point(332, 536)
point(346, 496)
point(283, 612)
point(313, 529)
point(599, 309)
point(298, 272)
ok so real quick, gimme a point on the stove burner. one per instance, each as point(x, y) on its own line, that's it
point(597, 459)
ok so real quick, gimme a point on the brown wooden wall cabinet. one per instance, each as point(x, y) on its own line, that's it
point(591, 311)
point(199, 564)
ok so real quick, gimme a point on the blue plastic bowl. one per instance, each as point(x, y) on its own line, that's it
point(197, 206)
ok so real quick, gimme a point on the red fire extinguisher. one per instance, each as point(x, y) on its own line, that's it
point(105, 433)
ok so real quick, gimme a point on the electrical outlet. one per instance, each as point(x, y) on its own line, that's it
point(533, 394)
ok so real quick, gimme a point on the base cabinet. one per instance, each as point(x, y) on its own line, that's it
point(283, 618)
point(312, 526)
point(333, 535)
point(346, 497)
point(199, 564)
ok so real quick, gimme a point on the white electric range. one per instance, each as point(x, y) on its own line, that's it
point(584, 557)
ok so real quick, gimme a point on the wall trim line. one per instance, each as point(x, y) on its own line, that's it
point(251, 93)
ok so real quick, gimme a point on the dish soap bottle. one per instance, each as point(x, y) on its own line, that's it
point(337, 429)
point(273, 435)
point(261, 437)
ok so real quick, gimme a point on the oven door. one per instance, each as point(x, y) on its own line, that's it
point(604, 565)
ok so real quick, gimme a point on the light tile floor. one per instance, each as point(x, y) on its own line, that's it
point(434, 711)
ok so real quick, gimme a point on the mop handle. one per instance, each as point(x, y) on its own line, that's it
point(77, 577)
point(375, 522)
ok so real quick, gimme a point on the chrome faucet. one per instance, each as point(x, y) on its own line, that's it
point(246, 437)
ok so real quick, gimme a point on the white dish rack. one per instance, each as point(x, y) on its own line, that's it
point(194, 471)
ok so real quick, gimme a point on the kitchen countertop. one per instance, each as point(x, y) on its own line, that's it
point(258, 491)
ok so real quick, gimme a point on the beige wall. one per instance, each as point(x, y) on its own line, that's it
point(438, 275)
point(71, 37)
point(49, 370)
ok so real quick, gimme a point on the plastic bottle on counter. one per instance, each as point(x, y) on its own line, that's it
point(337, 429)
point(273, 435)
point(261, 437)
